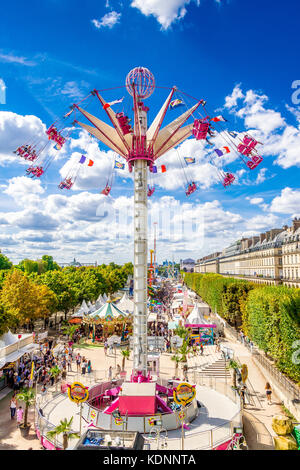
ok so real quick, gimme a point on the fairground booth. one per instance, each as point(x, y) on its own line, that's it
point(201, 330)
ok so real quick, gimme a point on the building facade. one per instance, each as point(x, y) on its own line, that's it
point(271, 258)
point(187, 265)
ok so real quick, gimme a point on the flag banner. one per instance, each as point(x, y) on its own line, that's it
point(176, 103)
point(83, 159)
point(69, 113)
point(163, 169)
point(154, 169)
point(90, 163)
point(189, 160)
point(219, 119)
point(119, 165)
point(32, 370)
point(111, 103)
point(233, 134)
point(222, 151)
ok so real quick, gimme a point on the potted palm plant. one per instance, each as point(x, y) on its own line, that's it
point(233, 367)
point(125, 353)
point(64, 428)
point(69, 330)
point(27, 395)
point(54, 372)
point(176, 359)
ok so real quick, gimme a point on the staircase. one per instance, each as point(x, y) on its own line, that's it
point(217, 369)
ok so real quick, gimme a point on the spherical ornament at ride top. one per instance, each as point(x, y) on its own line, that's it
point(143, 80)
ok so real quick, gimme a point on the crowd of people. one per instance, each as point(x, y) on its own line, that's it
point(44, 362)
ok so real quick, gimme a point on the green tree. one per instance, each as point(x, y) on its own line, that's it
point(176, 359)
point(54, 372)
point(70, 330)
point(233, 366)
point(4, 262)
point(51, 265)
point(7, 321)
point(64, 428)
point(27, 395)
point(18, 297)
point(126, 354)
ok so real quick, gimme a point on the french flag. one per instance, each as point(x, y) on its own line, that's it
point(222, 151)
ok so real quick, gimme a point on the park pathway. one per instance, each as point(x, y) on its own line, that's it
point(258, 413)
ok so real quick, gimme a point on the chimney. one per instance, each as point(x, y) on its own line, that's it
point(285, 227)
point(262, 237)
point(275, 231)
point(296, 224)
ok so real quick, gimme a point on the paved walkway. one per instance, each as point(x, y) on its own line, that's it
point(258, 413)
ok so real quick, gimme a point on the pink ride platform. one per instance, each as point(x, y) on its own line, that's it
point(137, 401)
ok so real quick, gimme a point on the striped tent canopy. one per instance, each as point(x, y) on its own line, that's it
point(108, 312)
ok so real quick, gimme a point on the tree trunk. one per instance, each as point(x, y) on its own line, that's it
point(123, 363)
point(26, 415)
point(234, 378)
point(65, 441)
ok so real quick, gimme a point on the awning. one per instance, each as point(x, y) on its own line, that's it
point(75, 321)
point(14, 356)
point(152, 317)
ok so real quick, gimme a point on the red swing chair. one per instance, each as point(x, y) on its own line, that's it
point(106, 190)
point(228, 179)
point(192, 187)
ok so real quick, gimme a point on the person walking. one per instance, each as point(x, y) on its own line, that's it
point(201, 349)
point(89, 367)
point(13, 406)
point(105, 347)
point(84, 366)
point(20, 413)
point(268, 390)
point(78, 362)
point(242, 394)
point(110, 373)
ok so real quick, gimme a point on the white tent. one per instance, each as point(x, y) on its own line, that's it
point(195, 317)
point(178, 295)
point(176, 304)
point(126, 304)
point(99, 302)
point(83, 310)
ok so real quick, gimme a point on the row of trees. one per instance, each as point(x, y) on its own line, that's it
point(268, 315)
point(27, 295)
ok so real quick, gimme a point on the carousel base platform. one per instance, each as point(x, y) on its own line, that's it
point(210, 426)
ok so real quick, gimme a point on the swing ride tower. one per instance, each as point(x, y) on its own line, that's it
point(140, 146)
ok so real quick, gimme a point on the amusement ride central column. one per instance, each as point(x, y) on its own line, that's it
point(140, 241)
point(140, 267)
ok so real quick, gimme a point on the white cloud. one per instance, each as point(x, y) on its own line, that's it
point(262, 222)
point(16, 130)
point(255, 200)
point(231, 100)
point(109, 20)
point(13, 59)
point(267, 125)
point(287, 203)
point(165, 11)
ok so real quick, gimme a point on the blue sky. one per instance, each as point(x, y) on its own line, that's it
point(240, 55)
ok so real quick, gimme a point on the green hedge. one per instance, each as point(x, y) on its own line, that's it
point(225, 295)
point(268, 315)
point(273, 318)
